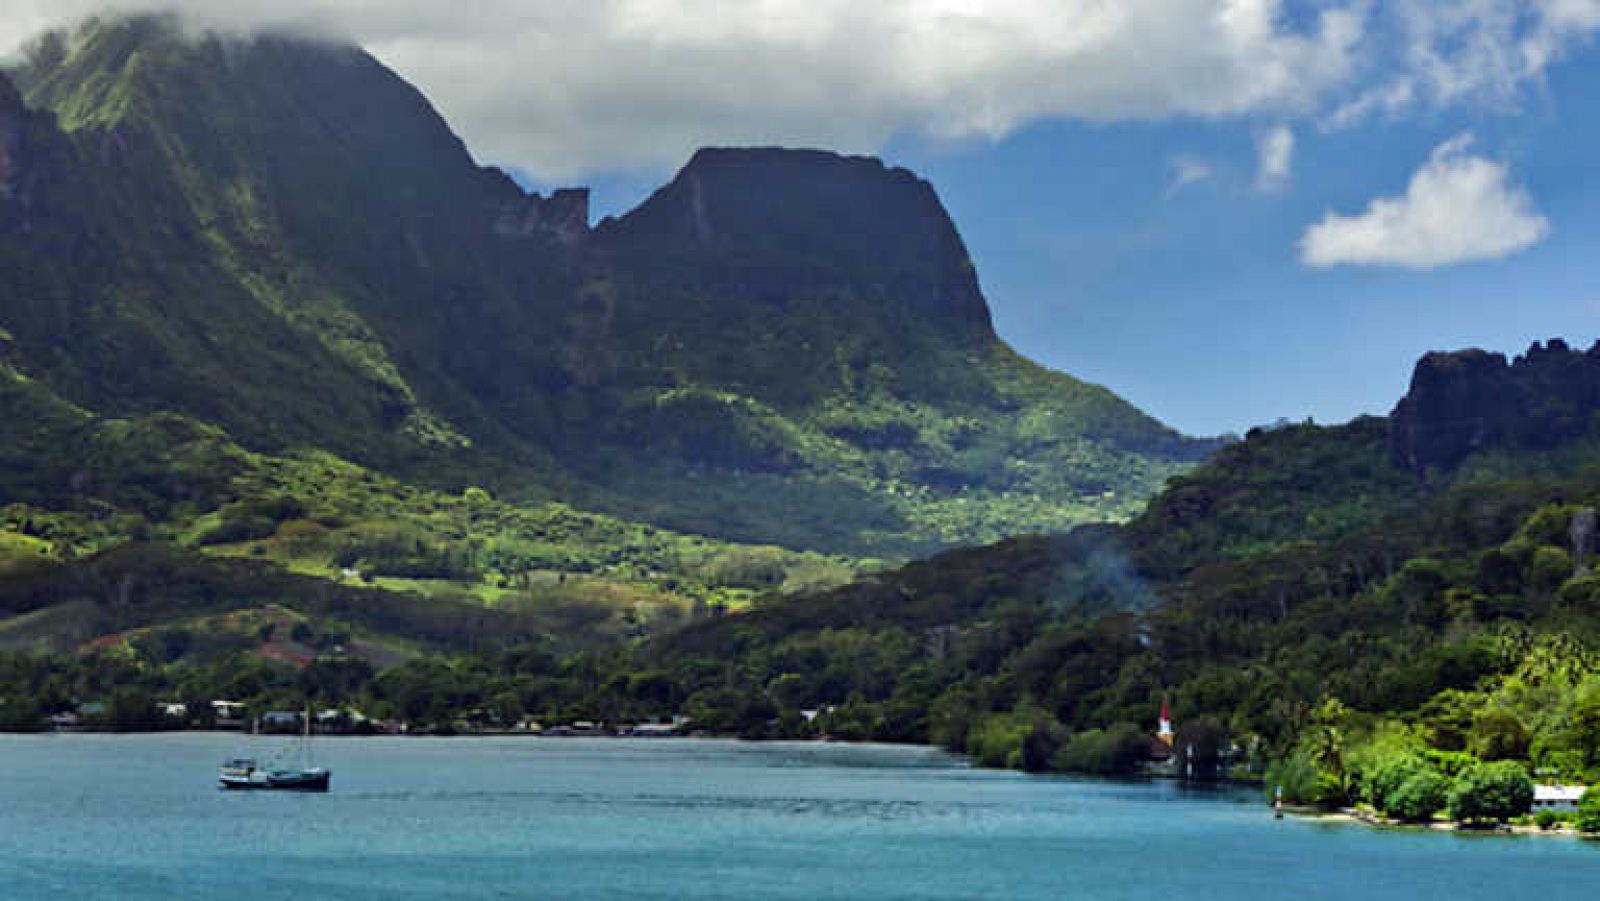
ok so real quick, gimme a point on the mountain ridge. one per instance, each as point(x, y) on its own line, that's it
point(780, 345)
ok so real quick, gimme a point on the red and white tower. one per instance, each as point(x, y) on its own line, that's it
point(1164, 726)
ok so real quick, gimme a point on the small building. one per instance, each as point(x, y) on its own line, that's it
point(1161, 747)
point(227, 711)
point(1557, 798)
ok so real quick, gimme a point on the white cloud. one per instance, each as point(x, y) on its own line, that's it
point(1484, 52)
point(561, 87)
point(1274, 157)
point(564, 87)
point(1186, 171)
point(1458, 207)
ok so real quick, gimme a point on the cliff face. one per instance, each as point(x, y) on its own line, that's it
point(1470, 400)
point(564, 215)
point(11, 113)
point(771, 222)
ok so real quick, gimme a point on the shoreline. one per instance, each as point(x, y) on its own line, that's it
point(1370, 820)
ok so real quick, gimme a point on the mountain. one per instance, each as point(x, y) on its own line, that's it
point(282, 239)
point(1416, 588)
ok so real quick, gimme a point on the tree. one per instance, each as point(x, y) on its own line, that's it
point(1493, 792)
point(1500, 735)
point(1201, 741)
point(1379, 783)
point(1418, 590)
point(1447, 718)
point(1589, 812)
point(1119, 750)
point(1551, 566)
point(20, 715)
point(131, 710)
point(1418, 798)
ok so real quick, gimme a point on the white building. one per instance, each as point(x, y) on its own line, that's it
point(1559, 798)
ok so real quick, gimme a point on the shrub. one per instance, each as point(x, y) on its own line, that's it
point(1418, 798)
point(1024, 739)
point(1493, 792)
point(1549, 819)
point(1116, 751)
point(1300, 779)
point(1588, 819)
point(1329, 790)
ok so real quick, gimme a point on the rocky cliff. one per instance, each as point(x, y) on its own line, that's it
point(1471, 400)
point(11, 113)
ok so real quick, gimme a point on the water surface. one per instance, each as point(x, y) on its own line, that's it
point(90, 816)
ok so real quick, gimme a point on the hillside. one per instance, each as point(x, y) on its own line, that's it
point(1312, 596)
point(282, 239)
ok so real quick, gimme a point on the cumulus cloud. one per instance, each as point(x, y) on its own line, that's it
point(1458, 207)
point(560, 87)
point(1274, 156)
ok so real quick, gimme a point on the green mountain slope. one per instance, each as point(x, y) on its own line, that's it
point(281, 238)
point(1329, 600)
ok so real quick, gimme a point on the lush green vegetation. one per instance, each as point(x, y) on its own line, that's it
point(1588, 818)
point(167, 479)
point(1422, 658)
point(812, 366)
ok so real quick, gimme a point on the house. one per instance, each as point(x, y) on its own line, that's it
point(1557, 798)
point(176, 710)
point(228, 713)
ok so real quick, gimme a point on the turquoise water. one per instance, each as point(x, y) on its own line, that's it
point(87, 816)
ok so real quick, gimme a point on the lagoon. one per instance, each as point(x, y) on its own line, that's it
point(138, 816)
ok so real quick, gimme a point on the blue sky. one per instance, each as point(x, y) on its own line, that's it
point(1102, 159)
point(1196, 305)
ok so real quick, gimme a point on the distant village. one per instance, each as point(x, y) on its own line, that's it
point(235, 716)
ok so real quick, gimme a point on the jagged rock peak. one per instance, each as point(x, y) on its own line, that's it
point(564, 215)
point(1464, 401)
point(805, 215)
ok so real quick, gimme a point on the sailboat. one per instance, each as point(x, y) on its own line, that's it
point(243, 773)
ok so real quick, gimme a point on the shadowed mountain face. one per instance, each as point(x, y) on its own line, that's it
point(283, 238)
point(1473, 400)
